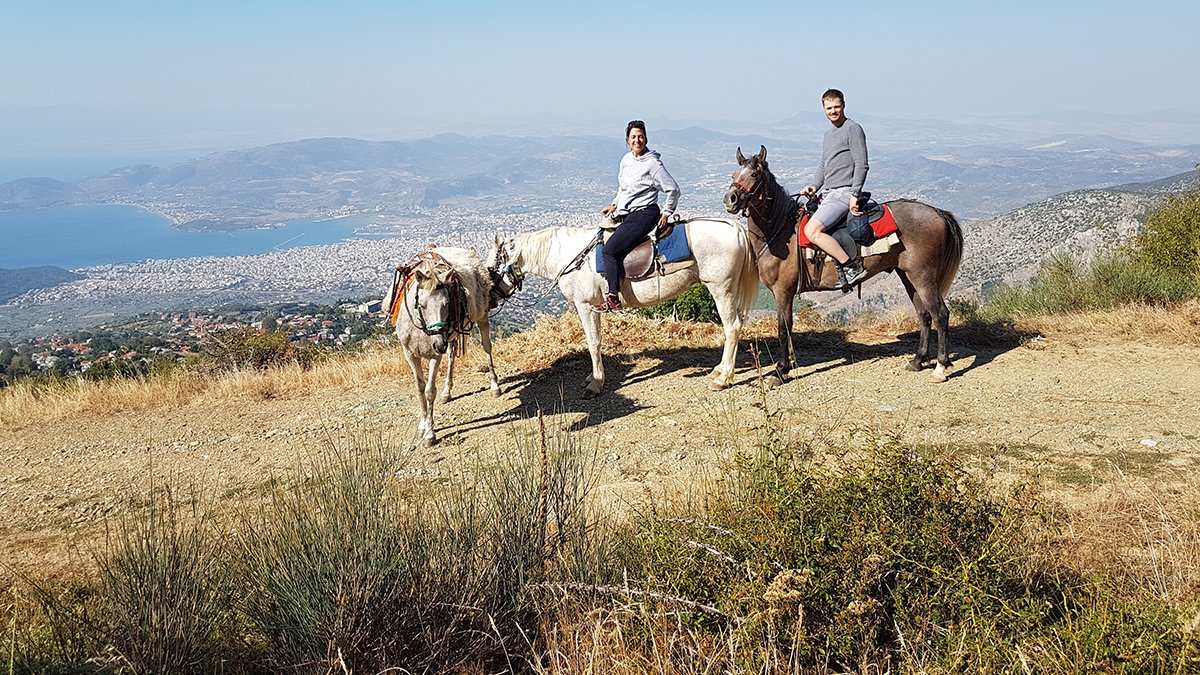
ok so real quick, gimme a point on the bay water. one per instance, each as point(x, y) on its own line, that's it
point(84, 236)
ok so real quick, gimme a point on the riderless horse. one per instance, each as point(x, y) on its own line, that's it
point(721, 259)
point(434, 301)
point(926, 258)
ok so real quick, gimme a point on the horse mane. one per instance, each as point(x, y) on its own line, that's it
point(778, 193)
point(535, 247)
point(473, 275)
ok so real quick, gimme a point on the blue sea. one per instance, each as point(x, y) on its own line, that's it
point(84, 236)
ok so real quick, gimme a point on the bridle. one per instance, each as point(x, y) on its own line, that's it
point(778, 211)
point(498, 271)
point(458, 323)
point(746, 195)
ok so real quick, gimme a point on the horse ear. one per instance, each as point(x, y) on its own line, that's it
point(740, 157)
point(762, 153)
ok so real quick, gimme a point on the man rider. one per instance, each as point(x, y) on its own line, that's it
point(839, 180)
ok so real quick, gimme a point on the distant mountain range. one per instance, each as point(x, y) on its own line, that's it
point(973, 170)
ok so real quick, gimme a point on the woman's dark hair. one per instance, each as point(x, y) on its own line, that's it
point(635, 124)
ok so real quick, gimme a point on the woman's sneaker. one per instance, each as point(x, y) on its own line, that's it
point(611, 305)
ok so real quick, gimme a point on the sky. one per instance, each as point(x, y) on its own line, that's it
point(90, 79)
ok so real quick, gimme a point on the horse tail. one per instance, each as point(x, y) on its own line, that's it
point(747, 281)
point(951, 252)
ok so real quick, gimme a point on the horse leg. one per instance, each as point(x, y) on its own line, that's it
point(923, 318)
point(591, 331)
point(731, 322)
point(452, 353)
point(431, 396)
point(485, 339)
point(783, 323)
point(931, 308)
point(941, 318)
point(424, 421)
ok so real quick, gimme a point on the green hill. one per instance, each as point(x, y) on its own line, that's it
point(14, 282)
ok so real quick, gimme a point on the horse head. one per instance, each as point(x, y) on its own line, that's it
point(432, 307)
point(505, 269)
point(749, 180)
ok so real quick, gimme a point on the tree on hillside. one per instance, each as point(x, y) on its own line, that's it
point(694, 304)
point(1170, 241)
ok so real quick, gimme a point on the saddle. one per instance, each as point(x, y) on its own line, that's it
point(876, 222)
point(652, 254)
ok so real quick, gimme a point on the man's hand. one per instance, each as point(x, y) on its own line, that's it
point(809, 190)
point(608, 209)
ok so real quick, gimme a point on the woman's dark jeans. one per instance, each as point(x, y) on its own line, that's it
point(632, 230)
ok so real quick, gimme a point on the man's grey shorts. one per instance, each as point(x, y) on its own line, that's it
point(835, 204)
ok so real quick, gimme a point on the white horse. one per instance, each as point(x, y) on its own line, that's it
point(433, 301)
point(722, 260)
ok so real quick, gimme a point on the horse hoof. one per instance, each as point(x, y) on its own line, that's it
point(429, 442)
point(496, 392)
point(938, 375)
point(588, 394)
point(444, 398)
point(772, 381)
point(915, 366)
point(714, 385)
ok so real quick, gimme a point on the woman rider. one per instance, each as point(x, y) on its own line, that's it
point(641, 177)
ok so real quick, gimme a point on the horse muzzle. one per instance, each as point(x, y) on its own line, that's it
point(440, 342)
point(733, 200)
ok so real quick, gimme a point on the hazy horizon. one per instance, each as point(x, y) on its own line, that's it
point(154, 80)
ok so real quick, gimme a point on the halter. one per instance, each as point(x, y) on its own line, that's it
point(459, 322)
point(497, 271)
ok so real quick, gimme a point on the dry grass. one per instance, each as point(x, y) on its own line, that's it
point(549, 340)
point(1169, 326)
point(1146, 535)
point(25, 403)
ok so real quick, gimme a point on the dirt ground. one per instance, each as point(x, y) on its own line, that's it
point(1073, 410)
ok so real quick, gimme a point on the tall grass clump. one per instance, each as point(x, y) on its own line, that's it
point(159, 601)
point(365, 569)
point(890, 557)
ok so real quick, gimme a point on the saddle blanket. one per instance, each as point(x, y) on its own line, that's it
point(882, 245)
point(674, 248)
point(884, 225)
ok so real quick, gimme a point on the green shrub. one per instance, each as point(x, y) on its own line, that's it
point(1170, 240)
point(894, 556)
point(249, 348)
point(694, 304)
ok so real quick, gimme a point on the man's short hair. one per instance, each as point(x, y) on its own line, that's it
point(635, 124)
point(829, 93)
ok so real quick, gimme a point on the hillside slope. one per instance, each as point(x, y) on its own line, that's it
point(1071, 402)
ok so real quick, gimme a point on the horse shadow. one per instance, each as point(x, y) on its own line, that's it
point(982, 343)
point(558, 387)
